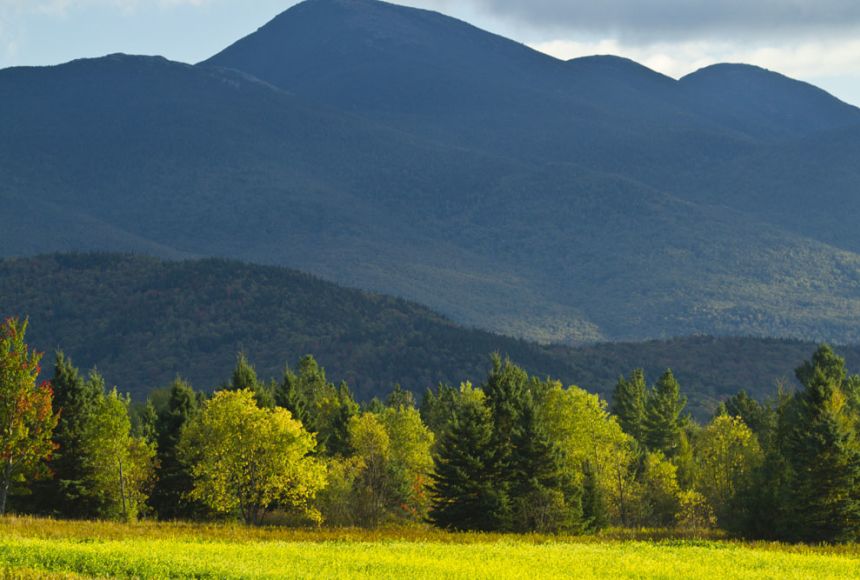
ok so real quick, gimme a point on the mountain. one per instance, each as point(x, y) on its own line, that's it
point(142, 321)
point(401, 151)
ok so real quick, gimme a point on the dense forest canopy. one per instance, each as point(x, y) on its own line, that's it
point(515, 453)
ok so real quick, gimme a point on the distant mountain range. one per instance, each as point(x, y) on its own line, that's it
point(401, 151)
point(142, 322)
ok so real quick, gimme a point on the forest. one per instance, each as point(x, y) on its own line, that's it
point(515, 453)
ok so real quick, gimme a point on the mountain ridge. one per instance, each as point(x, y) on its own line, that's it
point(576, 208)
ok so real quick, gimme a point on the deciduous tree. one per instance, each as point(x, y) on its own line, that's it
point(27, 419)
point(245, 459)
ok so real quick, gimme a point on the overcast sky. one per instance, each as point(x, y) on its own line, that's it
point(814, 40)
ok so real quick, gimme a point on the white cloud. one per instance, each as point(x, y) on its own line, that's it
point(813, 58)
point(659, 19)
point(63, 7)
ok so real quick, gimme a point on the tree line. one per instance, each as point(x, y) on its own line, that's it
point(516, 453)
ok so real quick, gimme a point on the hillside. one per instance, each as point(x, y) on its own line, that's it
point(404, 152)
point(142, 321)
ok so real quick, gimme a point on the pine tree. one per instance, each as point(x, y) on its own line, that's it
point(628, 404)
point(169, 497)
point(245, 377)
point(76, 400)
point(506, 391)
point(335, 412)
point(289, 396)
point(821, 446)
point(538, 495)
point(465, 494)
point(663, 420)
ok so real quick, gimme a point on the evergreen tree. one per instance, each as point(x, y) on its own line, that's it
point(759, 418)
point(399, 397)
point(245, 377)
point(67, 494)
point(506, 391)
point(437, 408)
point(537, 488)
point(465, 494)
point(821, 446)
point(288, 396)
point(169, 497)
point(301, 392)
point(628, 404)
point(663, 420)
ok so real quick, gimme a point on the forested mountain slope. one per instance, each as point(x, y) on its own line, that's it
point(142, 321)
point(401, 151)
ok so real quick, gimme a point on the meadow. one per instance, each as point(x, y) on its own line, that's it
point(58, 549)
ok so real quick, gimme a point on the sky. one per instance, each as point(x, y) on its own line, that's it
point(813, 40)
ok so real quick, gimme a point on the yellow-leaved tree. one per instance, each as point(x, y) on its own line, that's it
point(247, 460)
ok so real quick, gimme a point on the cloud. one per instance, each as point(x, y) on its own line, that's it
point(813, 58)
point(63, 7)
point(650, 20)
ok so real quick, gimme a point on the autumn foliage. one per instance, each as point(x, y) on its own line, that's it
point(27, 420)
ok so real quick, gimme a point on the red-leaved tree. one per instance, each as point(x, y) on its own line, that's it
point(27, 419)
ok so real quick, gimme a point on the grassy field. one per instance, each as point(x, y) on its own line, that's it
point(43, 548)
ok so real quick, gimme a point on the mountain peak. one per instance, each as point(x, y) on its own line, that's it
point(746, 96)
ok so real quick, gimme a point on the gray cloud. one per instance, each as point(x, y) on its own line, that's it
point(647, 19)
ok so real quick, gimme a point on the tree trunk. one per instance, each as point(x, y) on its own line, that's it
point(4, 486)
point(122, 492)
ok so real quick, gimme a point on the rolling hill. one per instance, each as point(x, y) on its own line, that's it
point(405, 152)
point(141, 321)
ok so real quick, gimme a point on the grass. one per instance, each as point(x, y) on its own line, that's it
point(45, 548)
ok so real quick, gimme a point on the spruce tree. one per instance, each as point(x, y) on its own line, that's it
point(540, 500)
point(67, 494)
point(506, 393)
point(822, 448)
point(336, 411)
point(628, 404)
point(289, 396)
point(245, 377)
point(465, 494)
point(169, 497)
point(663, 420)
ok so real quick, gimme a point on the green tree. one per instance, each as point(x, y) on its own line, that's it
point(628, 404)
point(660, 490)
point(543, 499)
point(727, 454)
point(411, 461)
point(506, 391)
point(119, 466)
point(372, 445)
point(663, 419)
point(174, 483)
point(758, 417)
point(27, 420)
point(76, 400)
point(245, 377)
point(464, 491)
point(245, 459)
point(334, 411)
point(821, 446)
point(592, 446)
point(301, 391)
point(321, 407)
